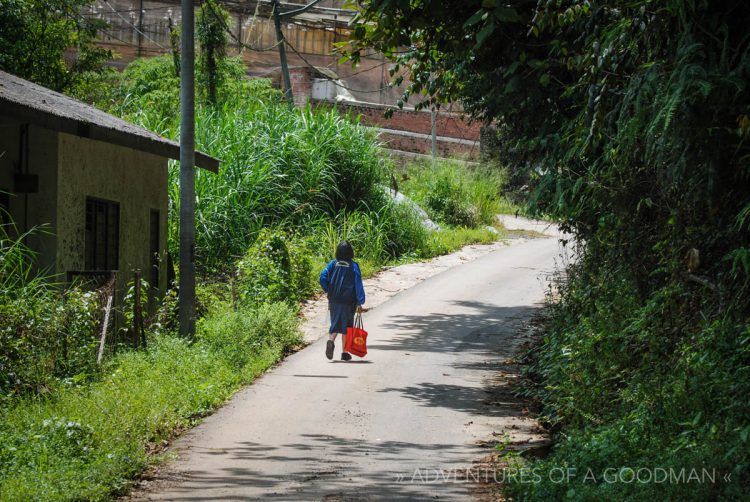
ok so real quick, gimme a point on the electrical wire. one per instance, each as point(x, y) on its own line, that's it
point(145, 9)
point(112, 35)
point(234, 37)
point(337, 82)
point(134, 26)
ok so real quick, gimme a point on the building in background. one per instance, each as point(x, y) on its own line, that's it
point(141, 28)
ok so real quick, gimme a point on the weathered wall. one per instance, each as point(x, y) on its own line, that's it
point(405, 141)
point(311, 35)
point(136, 180)
point(409, 130)
point(451, 125)
point(32, 209)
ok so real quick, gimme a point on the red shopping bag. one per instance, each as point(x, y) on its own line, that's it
point(356, 338)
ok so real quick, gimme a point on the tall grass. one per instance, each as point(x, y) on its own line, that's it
point(454, 192)
point(44, 334)
point(86, 442)
point(278, 166)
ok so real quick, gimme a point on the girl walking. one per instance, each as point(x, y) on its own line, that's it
point(342, 280)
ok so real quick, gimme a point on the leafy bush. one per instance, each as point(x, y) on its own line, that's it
point(147, 91)
point(88, 441)
point(45, 334)
point(277, 267)
point(447, 200)
point(239, 335)
point(454, 193)
point(39, 37)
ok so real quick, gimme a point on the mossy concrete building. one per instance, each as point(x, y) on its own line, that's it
point(95, 184)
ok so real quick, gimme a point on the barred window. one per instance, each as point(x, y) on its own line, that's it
point(102, 234)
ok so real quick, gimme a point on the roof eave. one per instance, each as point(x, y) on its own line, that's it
point(108, 135)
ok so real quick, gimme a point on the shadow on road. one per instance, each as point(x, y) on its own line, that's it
point(332, 479)
point(476, 383)
point(486, 328)
point(488, 337)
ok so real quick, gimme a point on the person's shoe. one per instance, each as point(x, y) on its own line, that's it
point(345, 356)
point(329, 349)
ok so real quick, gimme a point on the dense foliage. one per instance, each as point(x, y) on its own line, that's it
point(44, 335)
point(50, 42)
point(631, 120)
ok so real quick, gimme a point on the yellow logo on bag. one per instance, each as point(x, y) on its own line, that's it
point(359, 340)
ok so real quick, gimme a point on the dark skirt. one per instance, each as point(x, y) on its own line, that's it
point(342, 317)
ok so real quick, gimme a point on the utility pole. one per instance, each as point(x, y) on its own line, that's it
point(281, 41)
point(282, 52)
point(187, 172)
point(140, 29)
point(433, 115)
point(239, 31)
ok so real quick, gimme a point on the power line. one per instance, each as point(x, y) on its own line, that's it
point(112, 35)
point(365, 70)
point(134, 26)
point(337, 82)
point(145, 9)
point(234, 37)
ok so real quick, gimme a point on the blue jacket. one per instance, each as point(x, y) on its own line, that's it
point(342, 280)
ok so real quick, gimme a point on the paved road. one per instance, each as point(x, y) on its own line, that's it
point(385, 427)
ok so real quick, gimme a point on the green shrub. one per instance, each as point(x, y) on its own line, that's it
point(239, 335)
point(303, 273)
point(277, 267)
point(447, 200)
point(86, 442)
point(454, 193)
point(45, 334)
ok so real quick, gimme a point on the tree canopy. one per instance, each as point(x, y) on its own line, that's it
point(631, 120)
point(618, 103)
point(49, 42)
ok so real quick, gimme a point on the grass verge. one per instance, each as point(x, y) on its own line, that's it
point(86, 443)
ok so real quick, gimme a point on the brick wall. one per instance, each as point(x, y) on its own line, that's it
point(448, 124)
point(411, 131)
point(424, 146)
point(301, 78)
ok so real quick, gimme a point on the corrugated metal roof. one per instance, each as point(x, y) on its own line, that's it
point(32, 103)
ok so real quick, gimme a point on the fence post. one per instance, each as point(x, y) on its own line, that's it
point(110, 294)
